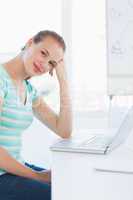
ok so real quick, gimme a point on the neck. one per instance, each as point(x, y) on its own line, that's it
point(16, 69)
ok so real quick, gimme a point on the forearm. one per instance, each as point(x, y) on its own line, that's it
point(64, 122)
point(11, 165)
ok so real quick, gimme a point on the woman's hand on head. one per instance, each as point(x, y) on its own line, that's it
point(61, 71)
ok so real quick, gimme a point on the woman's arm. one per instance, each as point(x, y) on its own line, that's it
point(11, 165)
point(64, 122)
point(61, 124)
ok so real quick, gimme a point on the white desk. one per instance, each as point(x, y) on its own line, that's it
point(74, 176)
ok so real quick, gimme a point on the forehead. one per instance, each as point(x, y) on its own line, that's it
point(53, 47)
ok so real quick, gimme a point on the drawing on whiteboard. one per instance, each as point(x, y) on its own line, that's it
point(117, 49)
point(123, 43)
point(120, 46)
point(115, 13)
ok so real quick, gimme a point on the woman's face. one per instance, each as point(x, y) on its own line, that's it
point(42, 57)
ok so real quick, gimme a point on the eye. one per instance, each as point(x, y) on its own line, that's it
point(51, 64)
point(43, 53)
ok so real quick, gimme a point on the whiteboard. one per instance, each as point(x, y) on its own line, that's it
point(119, 29)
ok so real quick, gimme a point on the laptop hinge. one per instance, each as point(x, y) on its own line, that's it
point(107, 148)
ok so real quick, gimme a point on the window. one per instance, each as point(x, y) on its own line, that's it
point(88, 52)
point(21, 19)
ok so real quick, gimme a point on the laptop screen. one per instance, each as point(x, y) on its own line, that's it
point(124, 129)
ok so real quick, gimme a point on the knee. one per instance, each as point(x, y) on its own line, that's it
point(45, 193)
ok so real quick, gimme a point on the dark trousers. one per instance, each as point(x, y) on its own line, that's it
point(14, 187)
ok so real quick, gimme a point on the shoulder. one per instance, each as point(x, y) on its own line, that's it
point(3, 76)
point(2, 73)
point(3, 82)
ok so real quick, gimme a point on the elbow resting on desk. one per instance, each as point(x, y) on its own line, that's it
point(64, 132)
point(64, 123)
point(60, 124)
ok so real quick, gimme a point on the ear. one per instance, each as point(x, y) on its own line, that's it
point(29, 42)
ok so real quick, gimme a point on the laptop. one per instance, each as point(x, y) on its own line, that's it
point(98, 143)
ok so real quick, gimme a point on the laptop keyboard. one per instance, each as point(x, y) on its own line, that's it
point(96, 142)
point(93, 142)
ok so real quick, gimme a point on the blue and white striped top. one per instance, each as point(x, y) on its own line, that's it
point(15, 116)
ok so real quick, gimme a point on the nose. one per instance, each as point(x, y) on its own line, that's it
point(45, 65)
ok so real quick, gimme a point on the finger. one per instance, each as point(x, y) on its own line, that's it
point(51, 72)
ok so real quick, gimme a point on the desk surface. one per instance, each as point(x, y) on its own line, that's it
point(76, 175)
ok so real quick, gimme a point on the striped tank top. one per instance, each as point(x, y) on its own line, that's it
point(15, 116)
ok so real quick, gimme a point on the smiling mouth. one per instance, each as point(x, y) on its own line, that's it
point(37, 68)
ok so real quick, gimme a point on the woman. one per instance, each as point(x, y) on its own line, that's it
point(19, 100)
